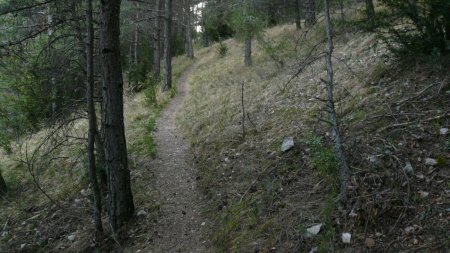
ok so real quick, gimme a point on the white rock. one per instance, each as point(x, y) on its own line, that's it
point(408, 169)
point(443, 131)
point(23, 245)
point(312, 231)
point(203, 223)
point(346, 237)
point(141, 213)
point(423, 194)
point(84, 192)
point(227, 160)
point(71, 237)
point(288, 143)
point(314, 249)
point(430, 161)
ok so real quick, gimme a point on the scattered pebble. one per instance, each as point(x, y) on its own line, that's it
point(141, 213)
point(423, 194)
point(203, 223)
point(312, 231)
point(288, 143)
point(71, 237)
point(346, 238)
point(408, 169)
point(430, 161)
point(443, 131)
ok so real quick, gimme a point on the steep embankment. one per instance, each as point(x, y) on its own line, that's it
point(262, 199)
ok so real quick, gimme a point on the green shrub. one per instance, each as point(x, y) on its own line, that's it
point(413, 28)
point(222, 50)
point(322, 158)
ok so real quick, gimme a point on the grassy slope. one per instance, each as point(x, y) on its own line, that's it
point(261, 200)
point(29, 219)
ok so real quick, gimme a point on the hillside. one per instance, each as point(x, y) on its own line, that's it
point(262, 199)
point(208, 170)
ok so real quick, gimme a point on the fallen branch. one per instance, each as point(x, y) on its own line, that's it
point(447, 114)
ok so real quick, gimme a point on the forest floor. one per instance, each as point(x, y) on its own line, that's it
point(180, 228)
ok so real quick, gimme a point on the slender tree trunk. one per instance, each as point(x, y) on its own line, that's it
point(248, 51)
point(310, 13)
point(298, 17)
point(136, 36)
point(157, 42)
point(341, 7)
point(189, 44)
point(92, 118)
point(370, 9)
point(344, 170)
point(3, 188)
point(167, 76)
point(121, 206)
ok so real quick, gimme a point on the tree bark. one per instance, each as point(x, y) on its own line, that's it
point(298, 17)
point(167, 73)
point(121, 206)
point(3, 188)
point(92, 119)
point(310, 13)
point(248, 51)
point(344, 170)
point(370, 9)
point(157, 42)
point(189, 44)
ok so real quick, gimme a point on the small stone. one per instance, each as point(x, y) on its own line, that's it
point(346, 238)
point(423, 194)
point(23, 245)
point(203, 223)
point(408, 169)
point(84, 192)
point(314, 249)
point(71, 237)
point(288, 143)
point(370, 242)
point(353, 214)
point(141, 213)
point(443, 131)
point(430, 161)
point(312, 231)
point(227, 160)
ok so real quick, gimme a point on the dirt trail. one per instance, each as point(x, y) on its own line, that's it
point(179, 228)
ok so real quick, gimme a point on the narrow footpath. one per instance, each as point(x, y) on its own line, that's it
point(180, 227)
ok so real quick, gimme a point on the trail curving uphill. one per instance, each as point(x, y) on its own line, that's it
point(179, 228)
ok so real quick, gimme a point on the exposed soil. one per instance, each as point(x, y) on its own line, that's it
point(179, 228)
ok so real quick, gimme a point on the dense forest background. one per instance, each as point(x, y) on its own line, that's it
point(307, 122)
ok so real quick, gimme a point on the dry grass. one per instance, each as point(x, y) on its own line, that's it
point(261, 198)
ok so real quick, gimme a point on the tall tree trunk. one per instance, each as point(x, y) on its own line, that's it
point(344, 170)
point(92, 118)
point(370, 9)
point(121, 206)
point(167, 75)
point(189, 27)
point(3, 188)
point(298, 17)
point(157, 42)
point(310, 13)
point(248, 51)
